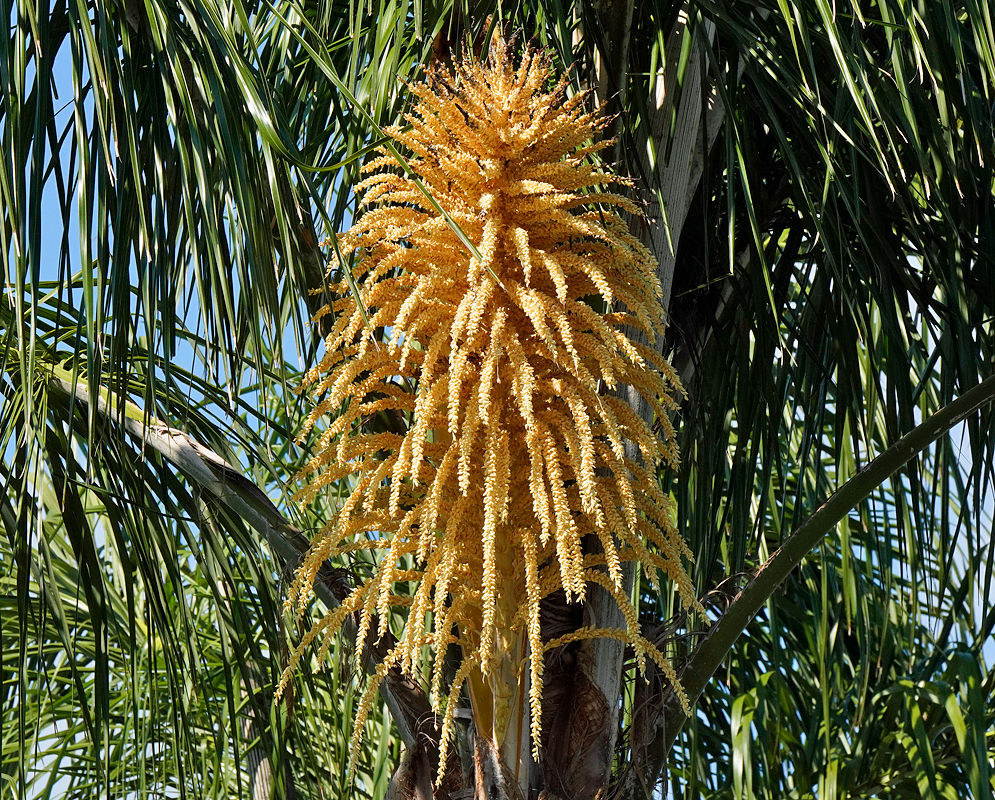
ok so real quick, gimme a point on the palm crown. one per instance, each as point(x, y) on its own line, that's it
point(816, 189)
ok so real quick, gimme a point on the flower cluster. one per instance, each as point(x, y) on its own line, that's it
point(510, 479)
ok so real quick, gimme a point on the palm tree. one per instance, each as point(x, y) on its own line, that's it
point(817, 184)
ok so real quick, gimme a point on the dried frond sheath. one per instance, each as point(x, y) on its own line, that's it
point(514, 452)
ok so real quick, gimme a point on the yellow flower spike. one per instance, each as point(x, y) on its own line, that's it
point(512, 456)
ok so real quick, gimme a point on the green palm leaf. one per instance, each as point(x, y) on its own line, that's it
point(818, 186)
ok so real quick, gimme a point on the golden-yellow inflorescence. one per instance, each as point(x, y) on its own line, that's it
point(503, 368)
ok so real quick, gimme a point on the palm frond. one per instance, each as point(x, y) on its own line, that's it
point(161, 168)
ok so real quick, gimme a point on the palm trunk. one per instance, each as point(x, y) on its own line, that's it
point(675, 166)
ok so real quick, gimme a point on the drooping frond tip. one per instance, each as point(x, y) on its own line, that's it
point(514, 460)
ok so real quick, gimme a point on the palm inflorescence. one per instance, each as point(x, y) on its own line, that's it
point(511, 478)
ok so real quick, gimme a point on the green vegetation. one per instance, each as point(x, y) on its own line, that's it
point(818, 183)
